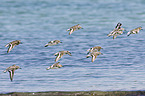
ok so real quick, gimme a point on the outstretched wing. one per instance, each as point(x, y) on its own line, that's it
point(56, 53)
point(94, 57)
point(11, 74)
point(68, 30)
point(58, 57)
point(88, 56)
point(88, 49)
point(71, 30)
point(49, 43)
point(11, 46)
point(56, 64)
point(114, 36)
point(128, 33)
point(7, 45)
point(46, 45)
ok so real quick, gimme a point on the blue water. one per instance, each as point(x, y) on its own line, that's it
point(36, 22)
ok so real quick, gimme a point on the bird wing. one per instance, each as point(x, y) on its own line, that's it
point(56, 53)
point(56, 64)
point(10, 48)
point(11, 74)
point(88, 56)
point(49, 43)
point(114, 36)
point(48, 68)
point(136, 31)
point(68, 30)
point(94, 57)
point(46, 45)
point(111, 33)
point(128, 33)
point(58, 57)
point(88, 49)
point(7, 45)
point(71, 30)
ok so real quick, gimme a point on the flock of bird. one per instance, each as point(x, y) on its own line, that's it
point(92, 52)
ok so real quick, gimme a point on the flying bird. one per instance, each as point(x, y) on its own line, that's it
point(54, 42)
point(134, 31)
point(74, 28)
point(54, 66)
point(12, 45)
point(11, 70)
point(60, 54)
point(117, 31)
point(94, 55)
point(94, 49)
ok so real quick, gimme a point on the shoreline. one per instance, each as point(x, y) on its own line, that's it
point(77, 93)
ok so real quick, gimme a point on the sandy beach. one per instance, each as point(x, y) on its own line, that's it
point(78, 93)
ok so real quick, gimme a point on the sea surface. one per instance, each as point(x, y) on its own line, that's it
point(36, 22)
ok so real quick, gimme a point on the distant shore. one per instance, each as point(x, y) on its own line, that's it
point(78, 93)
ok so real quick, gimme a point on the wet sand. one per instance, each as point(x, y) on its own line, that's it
point(78, 93)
